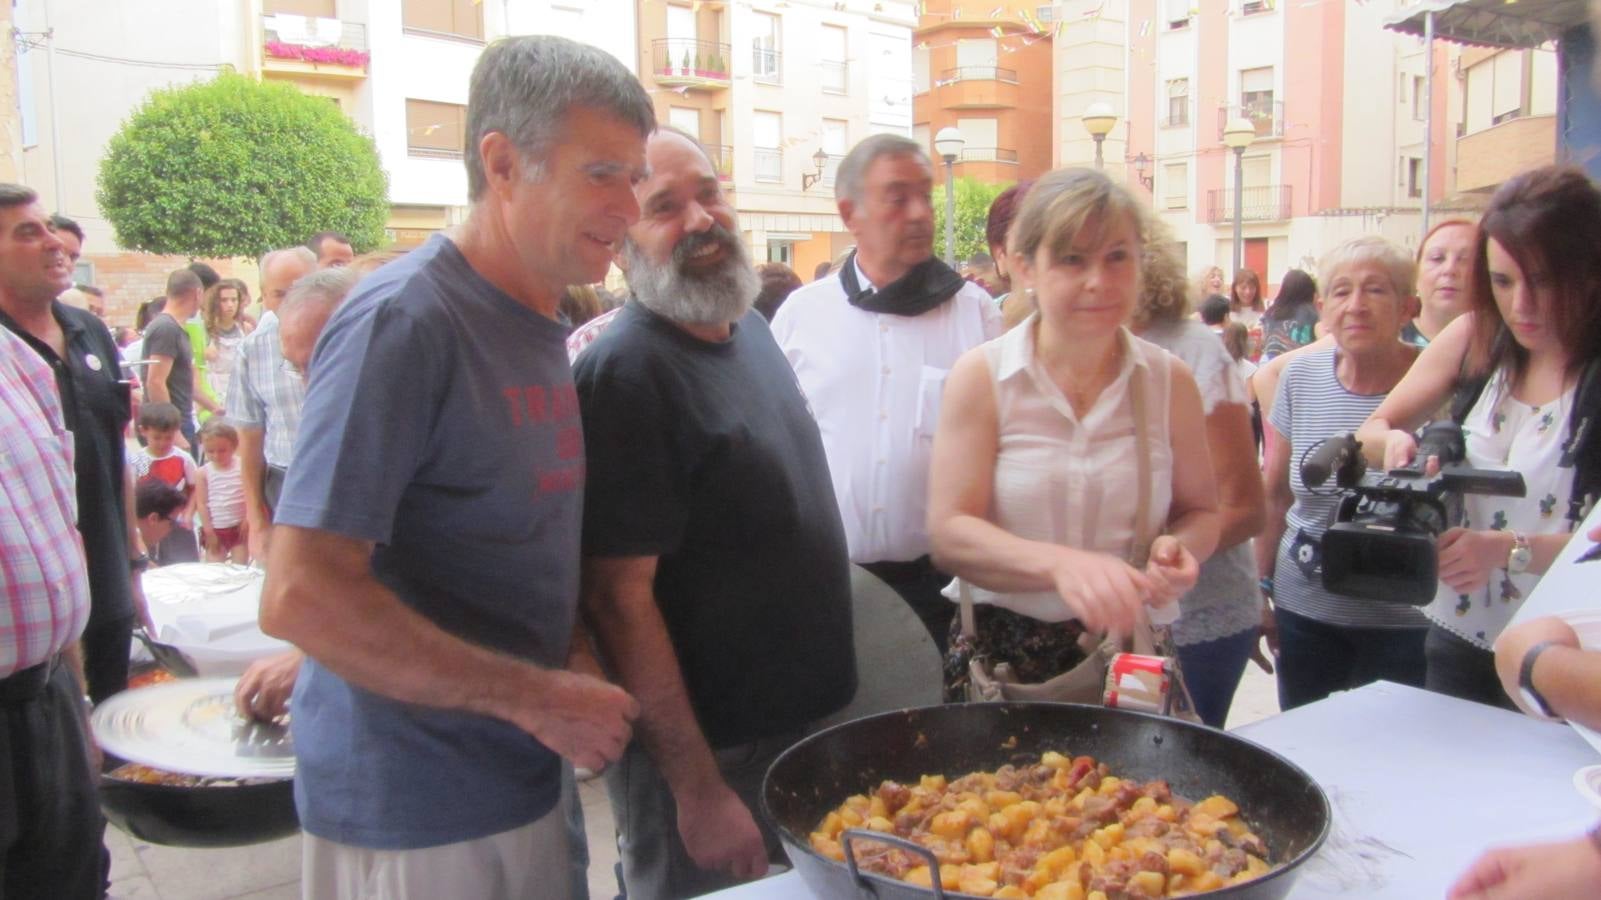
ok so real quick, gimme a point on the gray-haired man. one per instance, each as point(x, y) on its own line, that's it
point(425, 554)
point(264, 399)
point(873, 344)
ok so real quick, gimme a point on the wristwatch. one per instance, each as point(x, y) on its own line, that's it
point(139, 563)
point(1517, 562)
point(1526, 690)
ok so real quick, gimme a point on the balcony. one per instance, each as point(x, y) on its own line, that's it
point(1268, 117)
point(697, 65)
point(1263, 203)
point(318, 47)
point(1491, 155)
point(722, 160)
point(990, 165)
point(978, 87)
point(833, 76)
point(769, 164)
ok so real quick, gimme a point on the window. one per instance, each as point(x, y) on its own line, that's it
point(1176, 185)
point(836, 143)
point(921, 80)
point(832, 60)
point(685, 118)
point(976, 59)
point(924, 138)
point(767, 137)
point(321, 9)
point(1045, 14)
point(437, 130)
point(781, 252)
point(1255, 172)
point(980, 137)
point(1420, 102)
point(1252, 7)
point(764, 49)
point(1256, 98)
point(1414, 177)
point(1506, 91)
point(1177, 13)
point(458, 18)
point(1178, 102)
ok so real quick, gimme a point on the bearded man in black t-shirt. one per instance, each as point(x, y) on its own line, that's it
point(716, 575)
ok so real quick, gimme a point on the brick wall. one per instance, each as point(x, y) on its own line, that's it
point(130, 279)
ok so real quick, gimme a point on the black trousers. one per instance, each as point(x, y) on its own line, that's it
point(919, 584)
point(50, 823)
point(105, 657)
point(1463, 670)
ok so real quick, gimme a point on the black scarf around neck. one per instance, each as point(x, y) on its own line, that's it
point(928, 284)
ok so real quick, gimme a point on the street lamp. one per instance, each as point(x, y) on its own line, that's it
point(1237, 135)
point(1099, 120)
point(819, 159)
point(1141, 163)
point(948, 144)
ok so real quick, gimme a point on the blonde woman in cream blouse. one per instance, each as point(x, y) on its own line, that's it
point(1034, 474)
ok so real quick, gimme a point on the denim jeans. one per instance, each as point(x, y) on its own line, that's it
point(1212, 671)
point(1316, 658)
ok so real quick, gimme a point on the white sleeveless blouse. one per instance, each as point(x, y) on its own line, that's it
point(1070, 481)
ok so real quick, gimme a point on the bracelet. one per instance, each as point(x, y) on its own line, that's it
point(1265, 583)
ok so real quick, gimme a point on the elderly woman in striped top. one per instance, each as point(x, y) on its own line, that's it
point(1328, 642)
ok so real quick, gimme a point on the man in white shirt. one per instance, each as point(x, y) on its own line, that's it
point(871, 346)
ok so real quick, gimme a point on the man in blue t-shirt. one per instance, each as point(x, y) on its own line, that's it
point(425, 551)
point(716, 575)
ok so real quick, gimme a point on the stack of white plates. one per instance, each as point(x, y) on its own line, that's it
point(209, 612)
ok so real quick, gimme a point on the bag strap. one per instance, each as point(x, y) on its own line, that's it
point(1140, 550)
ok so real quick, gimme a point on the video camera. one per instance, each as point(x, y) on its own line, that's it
point(1380, 543)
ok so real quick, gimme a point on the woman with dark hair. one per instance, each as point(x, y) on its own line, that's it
point(1291, 321)
point(1002, 210)
point(1521, 371)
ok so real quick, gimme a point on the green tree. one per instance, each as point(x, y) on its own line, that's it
point(973, 199)
point(237, 167)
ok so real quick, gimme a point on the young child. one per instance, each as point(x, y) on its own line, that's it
point(220, 495)
point(161, 460)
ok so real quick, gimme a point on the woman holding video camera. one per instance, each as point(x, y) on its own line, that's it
point(1519, 371)
point(1327, 642)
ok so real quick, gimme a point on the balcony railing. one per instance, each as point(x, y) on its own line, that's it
point(766, 66)
point(769, 162)
point(833, 76)
point(978, 73)
point(1267, 117)
point(314, 40)
point(681, 61)
point(1263, 203)
point(722, 160)
point(988, 154)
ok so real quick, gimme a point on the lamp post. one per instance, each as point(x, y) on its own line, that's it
point(948, 144)
point(1141, 164)
point(1099, 120)
point(819, 159)
point(1237, 135)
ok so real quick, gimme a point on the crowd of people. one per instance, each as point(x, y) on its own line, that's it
point(514, 527)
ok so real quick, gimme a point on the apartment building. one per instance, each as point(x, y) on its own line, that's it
point(987, 73)
point(779, 90)
point(1509, 120)
point(398, 68)
point(1337, 105)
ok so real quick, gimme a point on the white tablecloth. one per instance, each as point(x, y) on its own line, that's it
point(1419, 783)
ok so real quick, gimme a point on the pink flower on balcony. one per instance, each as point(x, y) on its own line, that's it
point(340, 56)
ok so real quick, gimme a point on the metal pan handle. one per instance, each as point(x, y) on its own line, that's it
point(894, 841)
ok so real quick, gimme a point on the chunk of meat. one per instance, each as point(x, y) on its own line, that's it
point(894, 794)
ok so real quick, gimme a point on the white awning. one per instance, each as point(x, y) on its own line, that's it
point(1493, 23)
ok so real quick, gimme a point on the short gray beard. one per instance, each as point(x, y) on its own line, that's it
point(714, 298)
